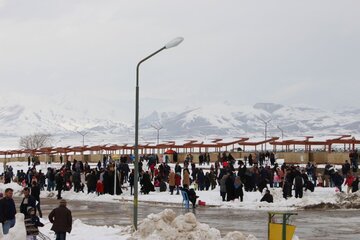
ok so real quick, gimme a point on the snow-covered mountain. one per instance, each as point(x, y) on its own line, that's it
point(226, 120)
point(63, 122)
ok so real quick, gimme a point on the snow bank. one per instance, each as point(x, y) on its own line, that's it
point(161, 226)
point(82, 231)
point(166, 225)
point(321, 196)
point(342, 200)
point(18, 232)
point(212, 198)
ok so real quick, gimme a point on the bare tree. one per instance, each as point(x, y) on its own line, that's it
point(36, 140)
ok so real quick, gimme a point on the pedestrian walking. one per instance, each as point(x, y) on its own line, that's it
point(61, 219)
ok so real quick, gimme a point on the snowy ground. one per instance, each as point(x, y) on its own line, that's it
point(163, 226)
point(211, 198)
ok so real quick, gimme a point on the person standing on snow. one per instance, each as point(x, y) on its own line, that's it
point(238, 188)
point(32, 222)
point(61, 219)
point(186, 178)
point(355, 185)
point(59, 180)
point(172, 182)
point(28, 201)
point(338, 180)
point(35, 192)
point(131, 181)
point(298, 185)
point(348, 182)
point(7, 211)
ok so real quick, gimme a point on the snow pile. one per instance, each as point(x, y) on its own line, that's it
point(351, 200)
point(166, 225)
point(18, 232)
point(16, 187)
point(82, 231)
point(342, 200)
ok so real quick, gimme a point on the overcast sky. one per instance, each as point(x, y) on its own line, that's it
point(241, 52)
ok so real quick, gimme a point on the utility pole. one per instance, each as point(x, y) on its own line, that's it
point(266, 127)
point(282, 137)
point(83, 134)
point(157, 127)
point(282, 133)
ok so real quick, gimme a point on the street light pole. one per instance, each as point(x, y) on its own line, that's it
point(157, 128)
point(170, 44)
point(282, 132)
point(266, 126)
point(282, 137)
point(83, 134)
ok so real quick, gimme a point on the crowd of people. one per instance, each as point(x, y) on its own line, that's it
point(234, 178)
point(254, 173)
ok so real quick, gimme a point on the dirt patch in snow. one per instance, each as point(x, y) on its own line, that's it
point(343, 201)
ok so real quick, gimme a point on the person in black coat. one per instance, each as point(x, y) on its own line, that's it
point(207, 181)
point(298, 185)
point(201, 180)
point(286, 189)
point(250, 159)
point(28, 201)
point(59, 180)
point(345, 168)
point(267, 197)
point(309, 185)
point(61, 218)
point(35, 192)
point(112, 176)
point(230, 191)
point(7, 211)
point(238, 188)
point(131, 181)
point(146, 184)
point(338, 180)
point(355, 185)
point(106, 181)
point(242, 171)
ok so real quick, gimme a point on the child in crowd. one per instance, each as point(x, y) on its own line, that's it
point(32, 222)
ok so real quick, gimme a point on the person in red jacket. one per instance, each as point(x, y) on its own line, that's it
point(348, 182)
point(99, 187)
point(177, 182)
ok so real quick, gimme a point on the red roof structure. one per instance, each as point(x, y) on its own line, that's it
point(216, 145)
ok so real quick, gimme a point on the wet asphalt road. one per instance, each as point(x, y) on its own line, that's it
point(311, 224)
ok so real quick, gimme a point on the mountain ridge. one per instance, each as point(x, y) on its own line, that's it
point(216, 120)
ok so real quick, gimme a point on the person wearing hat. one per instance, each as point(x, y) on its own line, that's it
point(32, 222)
point(61, 219)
